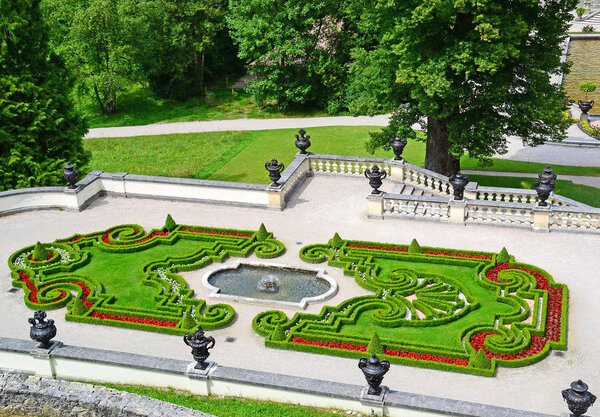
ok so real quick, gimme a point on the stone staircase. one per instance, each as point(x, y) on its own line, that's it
point(406, 189)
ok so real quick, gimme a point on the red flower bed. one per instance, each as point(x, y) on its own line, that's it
point(33, 291)
point(212, 232)
point(151, 236)
point(85, 292)
point(73, 240)
point(426, 357)
point(335, 345)
point(426, 252)
point(133, 319)
point(44, 260)
point(541, 280)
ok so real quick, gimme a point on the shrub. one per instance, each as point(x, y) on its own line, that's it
point(588, 86)
point(375, 345)
point(278, 334)
point(503, 257)
point(78, 308)
point(481, 360)
point(170, 224)
point(40, 253)
point(336, 242)
point(580, 11)
point(262, 233)
point(188, 321)
point(415, 247)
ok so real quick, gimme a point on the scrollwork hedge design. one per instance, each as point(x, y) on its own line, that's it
point(436, 309)
point(57, 281)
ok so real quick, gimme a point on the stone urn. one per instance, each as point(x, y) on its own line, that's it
point(375, 176)
point(70, 174)
point(42, 330)
point(302, 141)
point(545, 185)
point(200, 345)
point(275, 169)
point(398, 145)
point(585, 106)
point(374, 370)
point(458, 184)
point(578, 398)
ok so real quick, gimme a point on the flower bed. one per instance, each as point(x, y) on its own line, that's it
point(48, 284)
point(415, 294)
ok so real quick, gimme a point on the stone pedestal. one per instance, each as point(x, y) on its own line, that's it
point(198, 378)
point(541, 218)
point(457, 210)
point(375, 206)
point(398, 170)
point(373, 405)
point(44, 363)
point(584, 117)
point(276, 197)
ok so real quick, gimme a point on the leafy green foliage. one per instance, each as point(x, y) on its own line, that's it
point(503, 257)
point(78, 307)
point(375, 345)
point(39, 128)
point(415, 247)
point(336, 242)
point(587, 87)
point(188, 321)
point(477, 70)
point(298, 50)
point(40, 253)
point(481, 360)
point(170, 224)
point(262, 233)
point(278, 334)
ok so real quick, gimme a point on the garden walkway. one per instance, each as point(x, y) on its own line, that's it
point(319, 208)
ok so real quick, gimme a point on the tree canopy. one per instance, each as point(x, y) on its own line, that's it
point(39, 129)
point(297, 49)
point(475, 70)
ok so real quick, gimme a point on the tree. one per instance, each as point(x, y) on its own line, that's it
point(476, 70)
point(183, 44)
point(39, 128)
point(297, 49)
point(94, 37)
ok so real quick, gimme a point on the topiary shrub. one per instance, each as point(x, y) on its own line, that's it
point(481, 360)
point(170, 224)
point(262, 233)
point(503, 257)
point(415, 247)
point(587, 86)
point(336, 242)
point(40, 253)
point(278, 333)
point(375, 345)
point(78, 308)
point(188, 321)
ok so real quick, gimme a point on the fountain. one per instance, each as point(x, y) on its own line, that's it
point(275, 284)
point(269, 284)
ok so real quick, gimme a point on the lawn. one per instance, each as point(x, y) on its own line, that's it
point(240, 156)
point(139, 106)
point(225, 407)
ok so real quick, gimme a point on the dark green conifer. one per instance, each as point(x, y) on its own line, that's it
point(40, 253)
point(414, 247)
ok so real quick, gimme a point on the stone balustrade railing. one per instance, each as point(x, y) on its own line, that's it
point(495, 213)
point(485, 205)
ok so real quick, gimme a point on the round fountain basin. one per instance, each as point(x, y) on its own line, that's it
point(245, 281)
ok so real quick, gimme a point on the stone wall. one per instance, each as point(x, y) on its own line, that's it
point(32, 395)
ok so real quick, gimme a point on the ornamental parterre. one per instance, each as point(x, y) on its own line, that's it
point(126, 277)
point(514, 312)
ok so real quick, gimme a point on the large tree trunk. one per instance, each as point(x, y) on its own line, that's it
point(437, 151)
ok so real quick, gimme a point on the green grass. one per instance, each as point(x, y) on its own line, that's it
point(122, 276)
point(582, 193)
point(139, 107)
point(224, 407)
point(240, 156)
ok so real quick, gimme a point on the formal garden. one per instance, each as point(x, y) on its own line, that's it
point(455, 310)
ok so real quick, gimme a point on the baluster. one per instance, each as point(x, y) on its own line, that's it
point(313, 164)
point(327, 165)
point(320, 165)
